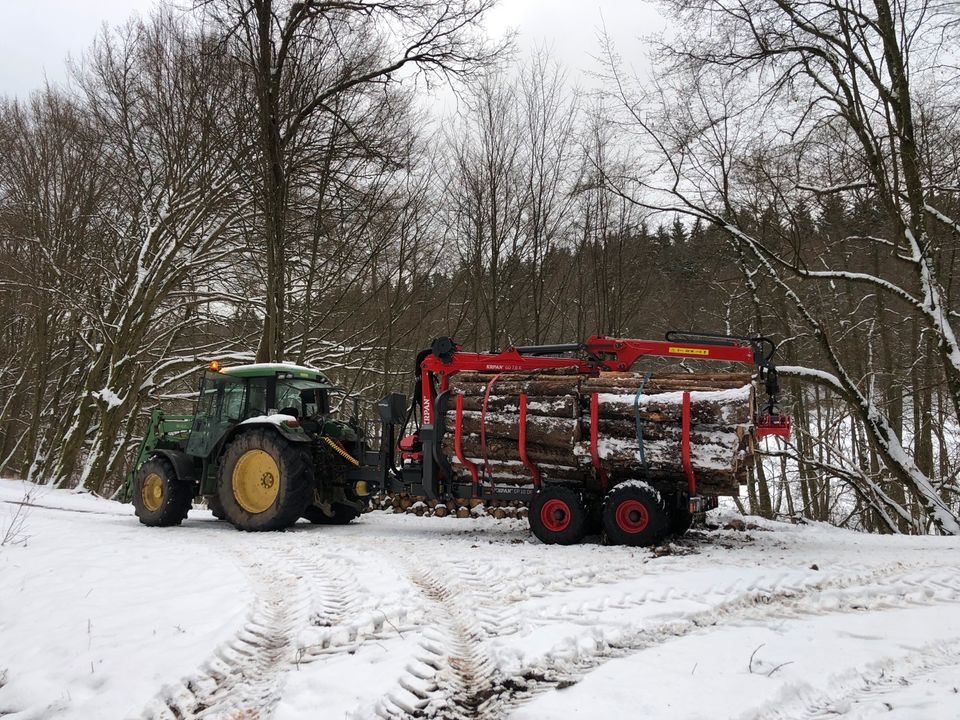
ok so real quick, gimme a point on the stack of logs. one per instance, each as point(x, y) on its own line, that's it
point(458, 507)
point(558, 426)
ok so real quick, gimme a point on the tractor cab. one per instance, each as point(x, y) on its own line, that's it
point(257, 392)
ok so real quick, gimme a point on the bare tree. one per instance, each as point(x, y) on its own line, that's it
point(487, 200)
point(51, 191)
point(302, 58)
point(833, 115)
point(548, 129)
point(160, 101)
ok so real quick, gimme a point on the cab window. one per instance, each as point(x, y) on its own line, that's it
point(300, 398)
point(256, 398)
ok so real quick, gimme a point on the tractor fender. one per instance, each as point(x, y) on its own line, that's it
point(297, 437)
point(182, 463)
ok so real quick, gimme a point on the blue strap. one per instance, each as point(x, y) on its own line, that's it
point(636, 414)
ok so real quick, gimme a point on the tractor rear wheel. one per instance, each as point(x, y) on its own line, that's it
point(159, 499)
point(634, 514)
point(265, 482)
point(342, 514)
point(558, 516)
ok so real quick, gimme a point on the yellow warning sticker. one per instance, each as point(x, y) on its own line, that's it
point(688, 351)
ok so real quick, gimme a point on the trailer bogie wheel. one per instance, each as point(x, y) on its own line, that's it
point(265, 482)
point(159, 499)
point(341, 514)
point(558, 516)
point(634, 514)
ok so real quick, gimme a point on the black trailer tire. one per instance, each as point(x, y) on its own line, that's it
point(558, 516)
point(342, 514)
point(680, 521)
point(265, 482)
point(159, 498)
point(634, 514)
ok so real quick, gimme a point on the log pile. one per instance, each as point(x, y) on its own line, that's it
point(456, 508)
point(558, 426)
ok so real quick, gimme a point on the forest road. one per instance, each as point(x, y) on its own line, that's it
point(399, 617)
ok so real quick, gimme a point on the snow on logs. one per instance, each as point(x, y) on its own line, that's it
point(558, 426)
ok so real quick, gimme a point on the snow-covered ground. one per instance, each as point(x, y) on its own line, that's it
point(396, 616)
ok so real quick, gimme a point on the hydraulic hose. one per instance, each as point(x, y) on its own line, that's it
point(335, 446)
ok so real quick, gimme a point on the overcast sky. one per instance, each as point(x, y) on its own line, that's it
point(36, 36)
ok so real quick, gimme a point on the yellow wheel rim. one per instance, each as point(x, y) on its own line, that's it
point(152, 492)
point(256, 481)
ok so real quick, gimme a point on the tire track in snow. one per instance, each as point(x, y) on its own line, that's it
point(334, 590)
point(509, 582)
point(83, 511)
point(485, 600)
point(593, 611)
point(425, 696)
point(456, 679)
point(883, 589)
point(244, 677)
point(847, 693)
point(487, 590)
point(343, 615)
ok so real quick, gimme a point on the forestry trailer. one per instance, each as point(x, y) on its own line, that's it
point(571, 430)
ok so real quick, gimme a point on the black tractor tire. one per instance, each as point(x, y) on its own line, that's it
point(265, 482)
point(159, 499)
point(634, 514)
point(342, 514)
point(680, 521)
point(558, 516)
point(216, 507)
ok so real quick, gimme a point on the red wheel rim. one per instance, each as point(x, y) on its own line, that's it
point(555, 515)
point(632, 516)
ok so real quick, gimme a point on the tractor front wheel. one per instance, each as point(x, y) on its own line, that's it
point(159, 499)
point(341, 514)
point(634, 514)
point(558, 516)
point(265, 482)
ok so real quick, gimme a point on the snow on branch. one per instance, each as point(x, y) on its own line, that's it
point(861, 185)
point(819, 377)
point(945, 219)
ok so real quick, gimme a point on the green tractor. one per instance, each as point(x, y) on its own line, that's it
point(261, 448)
